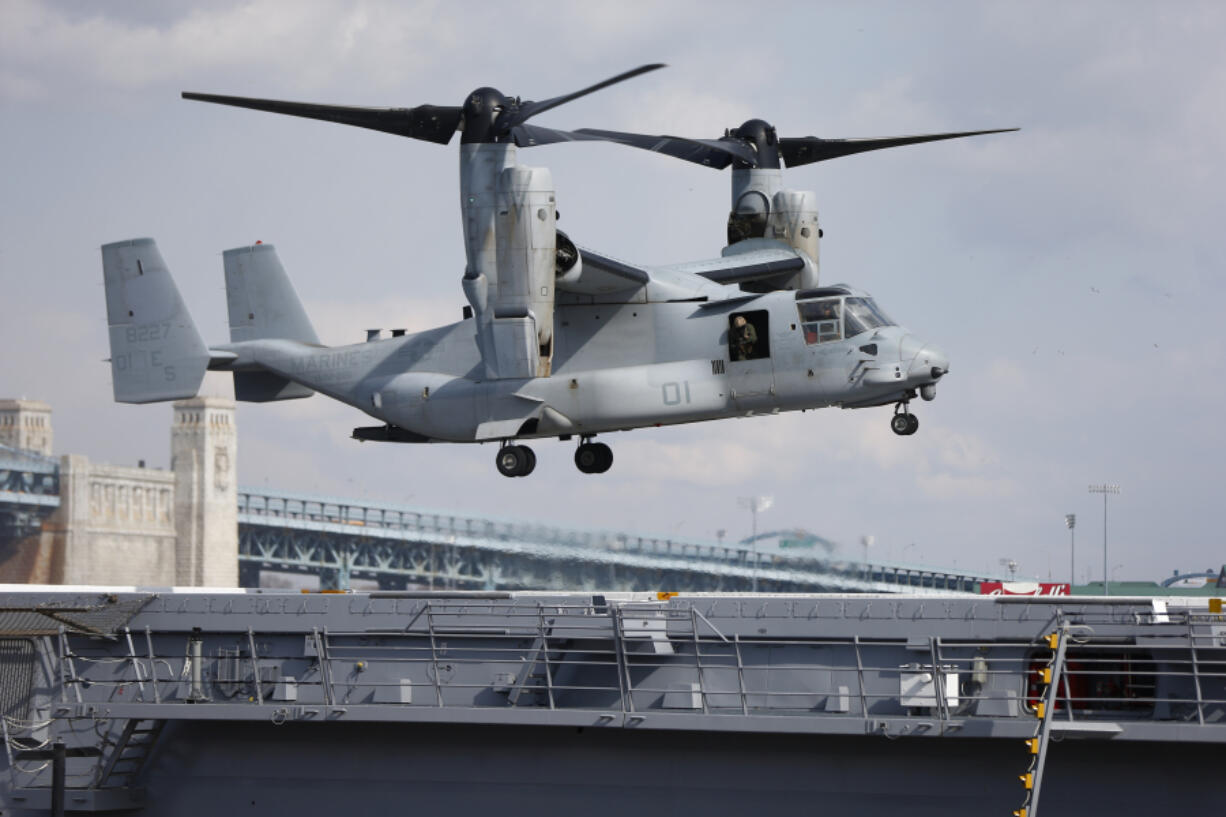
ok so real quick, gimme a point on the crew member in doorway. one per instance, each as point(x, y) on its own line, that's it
point(744, 338)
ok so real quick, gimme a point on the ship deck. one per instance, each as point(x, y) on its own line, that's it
point(626, 698)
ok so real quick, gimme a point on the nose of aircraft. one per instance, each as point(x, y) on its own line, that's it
point(928, 365)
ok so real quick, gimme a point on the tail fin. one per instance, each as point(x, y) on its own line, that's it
point(263, 304)
point(156, 352)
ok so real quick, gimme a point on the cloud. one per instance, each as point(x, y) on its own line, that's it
point(880, 109)
point(764, 447)
point(344, 322)
point(55, 50)
point(945, 462)
point(300, 46)
point(962, 452)
point(950, 487)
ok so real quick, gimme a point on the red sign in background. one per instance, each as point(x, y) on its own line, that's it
point(1024, 588)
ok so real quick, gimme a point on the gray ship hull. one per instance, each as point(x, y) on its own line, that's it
point(517, 770)
point(190, 702)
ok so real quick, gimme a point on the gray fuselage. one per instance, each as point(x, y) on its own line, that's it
point(616, 366)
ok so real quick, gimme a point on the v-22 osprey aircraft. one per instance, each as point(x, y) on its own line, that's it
point(556, 340)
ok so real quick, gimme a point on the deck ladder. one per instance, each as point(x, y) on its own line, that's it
point(130, 753)
point(1032, 780)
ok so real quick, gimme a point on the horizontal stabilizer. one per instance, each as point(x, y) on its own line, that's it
point(263, 304)
point(156, 352)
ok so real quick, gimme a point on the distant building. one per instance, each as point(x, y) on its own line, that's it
point(26, 424)
point(120, 525)
point(1144, 588)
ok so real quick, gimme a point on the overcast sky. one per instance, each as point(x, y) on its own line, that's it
point(1072, 271)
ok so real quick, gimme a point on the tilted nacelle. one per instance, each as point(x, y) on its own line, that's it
point(761, 208)
point(510, 221)
point(526, 238)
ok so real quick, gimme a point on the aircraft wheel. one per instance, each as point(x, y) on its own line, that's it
point(605, 455)
point(593, 458)
point(587, 458)
point(900, 424)
point(515, 460)
point(912, 424)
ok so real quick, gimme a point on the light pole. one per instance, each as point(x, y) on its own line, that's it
point(1105, 489)
point(755, 504)
point(867, 542)
point(1070, 522)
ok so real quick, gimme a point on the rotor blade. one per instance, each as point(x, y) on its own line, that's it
point(527, 136)
point(433, 123)
point(527, 110)
point(716, 153)
point(807, 149)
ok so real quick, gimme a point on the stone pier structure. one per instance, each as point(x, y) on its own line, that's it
point(120, 525)
point(26, 424)
point(203, 448)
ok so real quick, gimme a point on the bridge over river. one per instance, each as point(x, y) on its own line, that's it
point(398, 547)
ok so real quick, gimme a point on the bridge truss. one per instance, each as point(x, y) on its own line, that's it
point(29, 492)
point(399, 547)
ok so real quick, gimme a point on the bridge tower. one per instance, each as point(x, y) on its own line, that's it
point(26, 424)
point(203, 451)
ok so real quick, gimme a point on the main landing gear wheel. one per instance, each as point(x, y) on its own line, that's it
point(593, 458)
point(515, 460)
point(904, 423)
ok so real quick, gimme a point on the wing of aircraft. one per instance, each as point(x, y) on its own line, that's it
point(761, 260)
point(757, 261)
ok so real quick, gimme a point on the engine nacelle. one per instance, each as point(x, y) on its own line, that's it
point(761, 208)
point(793, 219)
point(568, 262)
point(525, 237)
point(753, 190)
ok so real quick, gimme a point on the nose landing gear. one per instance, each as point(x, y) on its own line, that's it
point(903, 423)
point(593, 458)
point(515, 460)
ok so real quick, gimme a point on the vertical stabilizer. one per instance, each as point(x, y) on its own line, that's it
point(156, 352)
point(262, 304)
point(261, 299)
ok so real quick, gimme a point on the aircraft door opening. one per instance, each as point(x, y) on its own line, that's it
point(751, 373)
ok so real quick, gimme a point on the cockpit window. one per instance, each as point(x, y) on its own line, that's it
point(861, 315)
point(830, 319)
point(820, 320)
